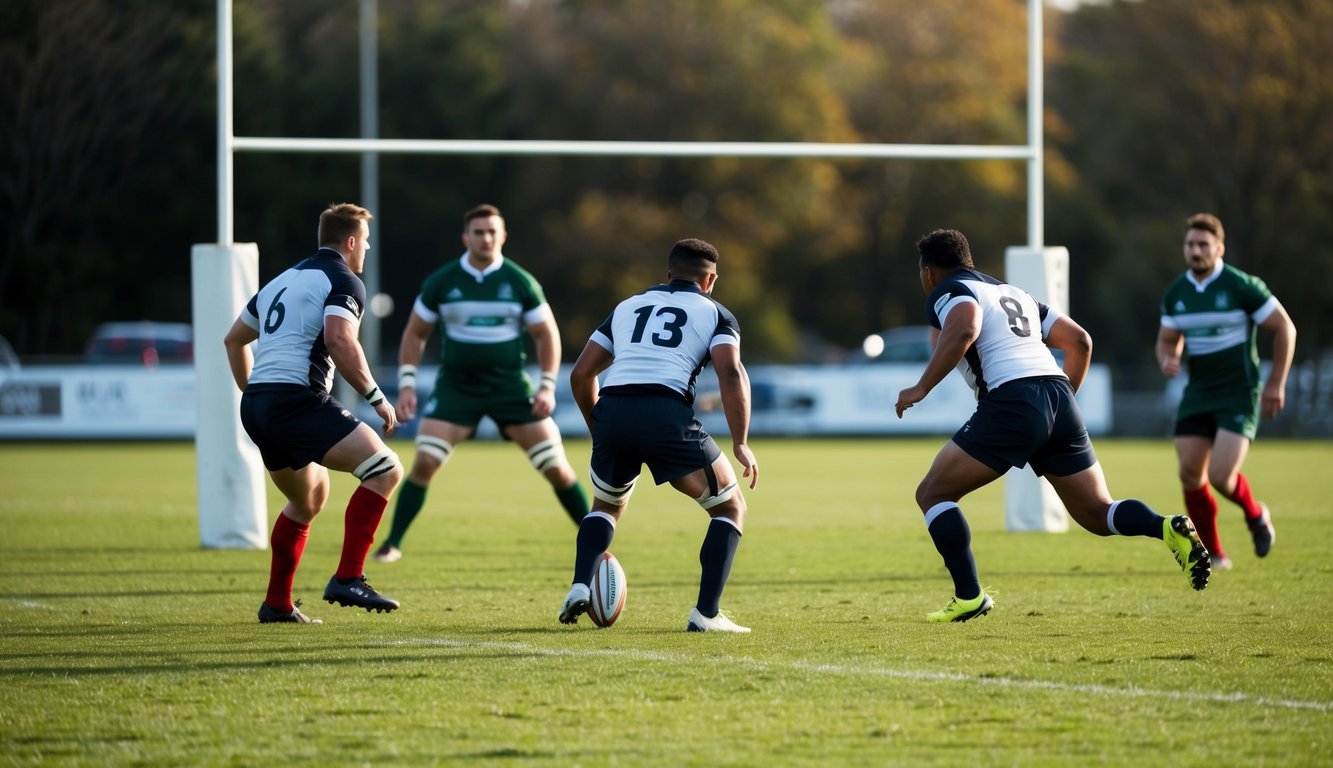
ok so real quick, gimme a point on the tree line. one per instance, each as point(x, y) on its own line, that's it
point(1154, 109)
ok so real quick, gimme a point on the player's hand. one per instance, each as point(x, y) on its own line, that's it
point(385, 410)
point(543, 403)
point(746, 457)
point(1271, 401)
point(407, 404)
point(910, 397)
point(1170, 365)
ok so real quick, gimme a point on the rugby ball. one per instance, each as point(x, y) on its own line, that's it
point(608, 591)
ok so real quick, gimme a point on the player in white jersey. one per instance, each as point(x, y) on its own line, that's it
point(1000, 337)
point(305, 322)
point(652, 348)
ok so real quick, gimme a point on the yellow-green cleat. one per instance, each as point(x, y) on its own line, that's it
point(1180, 537)
point(962, 610)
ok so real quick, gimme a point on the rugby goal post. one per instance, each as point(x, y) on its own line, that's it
point(229, 468)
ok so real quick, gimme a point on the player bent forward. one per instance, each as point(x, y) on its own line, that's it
point(1026, 414)
point(652, 348)
point(299, 427)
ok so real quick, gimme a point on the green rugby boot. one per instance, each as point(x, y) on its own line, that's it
point(1180, 537)
point(962, 610)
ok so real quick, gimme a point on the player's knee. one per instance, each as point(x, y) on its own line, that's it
point(432, 453)
point(382, 467)
point(713, 497)
point(615, 495)
point(547, 455)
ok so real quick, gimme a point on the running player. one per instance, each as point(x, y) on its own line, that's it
point(652, 348)
point(1211, 311)
point(998, 336)
point(305, 322)
point(484, 306)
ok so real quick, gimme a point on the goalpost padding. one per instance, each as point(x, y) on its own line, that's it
point(233, 508)
point(1030, 503)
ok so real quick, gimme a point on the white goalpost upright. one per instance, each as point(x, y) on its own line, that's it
point(231, 481)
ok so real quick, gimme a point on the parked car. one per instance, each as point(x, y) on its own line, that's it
point(141, 343)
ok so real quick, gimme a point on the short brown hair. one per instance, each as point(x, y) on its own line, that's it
point(1208, 223)
point(340, 221)
point(482, 211)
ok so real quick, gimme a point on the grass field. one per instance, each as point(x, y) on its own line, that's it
point(125, 643)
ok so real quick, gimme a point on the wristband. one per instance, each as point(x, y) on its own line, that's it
point(407, 376)
point(373, 395)
point(548, 380)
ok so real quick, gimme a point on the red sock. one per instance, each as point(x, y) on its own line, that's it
point(363, 516)
point(1202, 509)
point(287, 543)
point(1242, 496)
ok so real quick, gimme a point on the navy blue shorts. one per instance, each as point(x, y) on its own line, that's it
point(293, 425)
point(1029, 421)
point(629, 431)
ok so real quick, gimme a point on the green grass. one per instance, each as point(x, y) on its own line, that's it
point(124, 642)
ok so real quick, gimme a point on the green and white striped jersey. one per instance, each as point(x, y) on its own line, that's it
point(1218, 317)
point(482, 319)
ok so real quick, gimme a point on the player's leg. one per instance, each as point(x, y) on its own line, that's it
point(717, 491)
point(435, 442)
point(540, 440)
point(366, 457)
point(278, 424)
point(1229, 452)
point(596, 530)
point(306, 490)
point(613, 471)
point(1194, 454)
point(954, 474)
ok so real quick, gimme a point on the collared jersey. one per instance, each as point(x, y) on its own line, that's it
point(1013, 329)
point(662, 338)
point(289, 314)
point(1218, 317)
point(482, 319)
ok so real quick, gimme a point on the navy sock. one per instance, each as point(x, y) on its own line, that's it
point(715, 557)
point(1131, 517)
point(595, 534)
point(953, 540)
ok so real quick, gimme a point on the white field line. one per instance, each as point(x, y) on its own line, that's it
point(24, 603)
point(1133, 692)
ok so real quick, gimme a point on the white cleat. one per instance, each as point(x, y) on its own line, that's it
point(576, 602)
point(388, 554)
point(719, 623)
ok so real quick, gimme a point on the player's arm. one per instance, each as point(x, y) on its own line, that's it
point(1283, 329)
point(962, 326)
point(734, 383)
point(1076, 344)
point(583, 378)
point(237, 342)
point(546, 337)
point(1170, 343)
point(350, 360)
point(411, 349)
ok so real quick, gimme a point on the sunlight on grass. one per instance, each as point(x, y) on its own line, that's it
point(126, 643)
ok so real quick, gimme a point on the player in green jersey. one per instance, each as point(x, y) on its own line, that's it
point(1212, 311)
point(485, 306)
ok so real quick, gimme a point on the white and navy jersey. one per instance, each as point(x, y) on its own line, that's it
point(289, 314)
point(662, 338)
point(1013, 328)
